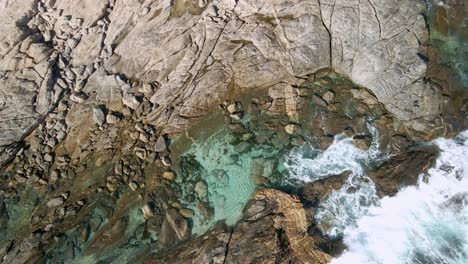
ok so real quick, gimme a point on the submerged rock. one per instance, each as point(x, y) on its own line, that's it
point(178, 223)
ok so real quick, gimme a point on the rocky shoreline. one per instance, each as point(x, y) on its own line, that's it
point(156, 132)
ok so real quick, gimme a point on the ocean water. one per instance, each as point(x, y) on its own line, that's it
point(427, 223)
point(422, 224)
point(343, 207)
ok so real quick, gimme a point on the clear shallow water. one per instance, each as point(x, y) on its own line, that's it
point(226, 165)
point(427, 223)
point(343, 207)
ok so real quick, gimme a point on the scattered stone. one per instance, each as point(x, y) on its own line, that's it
point(130, 101)
point(54, 176)
point(166, 162)
point(234, 107)
point(56, 202)
point(111, 187)
point(292, 129)
point(139, 127)
point(78, 97)
point(140, 153)
point(144, 137)
point(118, 169)
point(362, 142)
point(187, 213)
point(178, 223)
point(317, 100)
point(329, 97)
point(133, 185)
point(112, 119)
point(61, 136)
point(48, 157)
point(148, 211)
point(236, 116)
point(169, 175)
point(145, 11)
point(98, 115)
point(21, 178)
point(242, 147)
point(160, 145)
point(43, 181)
point(201, 190)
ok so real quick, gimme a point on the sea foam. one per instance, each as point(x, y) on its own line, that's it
point(426, 223)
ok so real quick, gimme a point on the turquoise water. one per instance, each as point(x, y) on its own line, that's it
point(226, 164)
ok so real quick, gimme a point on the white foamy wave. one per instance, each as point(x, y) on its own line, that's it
point(344, 206)
point(308, 164)
point(427, 223)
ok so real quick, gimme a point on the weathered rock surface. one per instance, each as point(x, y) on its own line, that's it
point(275, 232)
point(213, 49)
point(153, 68)
point(402, 170)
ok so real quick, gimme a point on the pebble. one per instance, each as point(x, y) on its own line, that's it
point(329, 97)
point(130, 101)
point(148, 211)
point(48, 157)
point(98, 115)
point(140, 153)
point(145, 11)
point(144, 137)
point(169, 175)
point(78, 97)
point(112, 119)
point(43, 181)
point(160, 145)
point(133, 185)
point(139, 127)
point(134, 135)
point(234, 107)
point(56, 202)
point(166, 161)
point(187, 213)
point(292, 129)
point(201, 189)
point(236, 116)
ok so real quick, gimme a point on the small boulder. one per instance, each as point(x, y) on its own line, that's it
point(292, 129)
point(362, 142)
point(148, 211)
point(187, 213)
point(130, 101)
point(98, 115)
point(329, 97)
point(112, 119)
point(169, 175)
point(78, 97)
point(202, 190)
point(234, 107)
point(178, 223)
point(160, 145)
point(57, 201)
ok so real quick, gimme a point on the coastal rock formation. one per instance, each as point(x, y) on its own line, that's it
point(274, 230)
point(156, 131)
point(189, 55)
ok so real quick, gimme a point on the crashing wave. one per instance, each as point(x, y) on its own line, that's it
point(427, 223)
